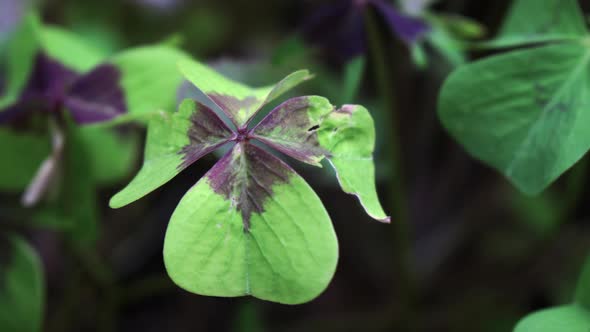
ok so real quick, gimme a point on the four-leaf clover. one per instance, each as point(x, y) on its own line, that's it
point(252, 225)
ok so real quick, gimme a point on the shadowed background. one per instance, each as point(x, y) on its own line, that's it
point(479, 255)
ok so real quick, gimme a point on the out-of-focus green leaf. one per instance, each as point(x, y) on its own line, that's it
point(353, 74)
point(22, 154)
point(288, 50)
point(419, 55)
point(462, 27)
point(150, 77)
point(69, 49)
point(21, 286)
point(582, 295)
point(569, 318)
point(78, 195)
point(111, 155)
point(536, 21)
point(22, 48)
point(73, 205)
point(524, 112)
point(449, 46)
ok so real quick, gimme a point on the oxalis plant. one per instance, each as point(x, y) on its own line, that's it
point(251, 225)
point(57, 147)
point(525, 113)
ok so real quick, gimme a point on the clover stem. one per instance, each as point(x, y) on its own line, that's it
point(403, 283)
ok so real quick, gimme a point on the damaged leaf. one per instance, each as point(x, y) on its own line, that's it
point(252, 225)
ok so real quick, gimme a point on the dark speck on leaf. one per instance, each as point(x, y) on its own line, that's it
point(316, 127)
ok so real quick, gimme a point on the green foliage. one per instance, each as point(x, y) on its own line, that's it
point(349, 135)
point(22, 47)
point(21, 286)
point(18, 168)
point(353, 75)
point(251, 225)
point(570, 318)
point(150, 77)
point(574, 317)
point(536, 21)
point(524, 112)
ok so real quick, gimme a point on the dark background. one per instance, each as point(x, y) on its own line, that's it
point(479, 255)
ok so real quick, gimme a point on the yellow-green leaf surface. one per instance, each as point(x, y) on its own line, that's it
point(259, 230)
point(310, 129)
point(348, 134)
point(171, 147)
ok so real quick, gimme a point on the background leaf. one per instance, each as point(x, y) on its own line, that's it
point(22, 48)
point(111, 154)
point(524, 117)
point(69, 48)
point(21, 286)
point(22, 154)
point(535, 21)
point(570, 318)
point(150, 77)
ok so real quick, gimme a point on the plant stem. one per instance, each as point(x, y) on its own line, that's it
point(403, 286)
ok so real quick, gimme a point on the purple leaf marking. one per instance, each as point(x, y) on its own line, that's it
point(206, 133)
point(289, 129)
point(246, 176)
point(96, 96)
point(231, 105)
point(47, 84)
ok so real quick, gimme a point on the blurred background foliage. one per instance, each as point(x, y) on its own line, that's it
point(472, 253)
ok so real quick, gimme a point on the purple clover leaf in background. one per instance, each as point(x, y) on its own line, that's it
point(340, 27)
point(54, 90)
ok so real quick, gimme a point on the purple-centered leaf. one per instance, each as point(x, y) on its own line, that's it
point(174, 141)
point(292, 128)
point(231, 105)
point(238, 101)
point(245, 176)
point(96, 96)
point(206, 133)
